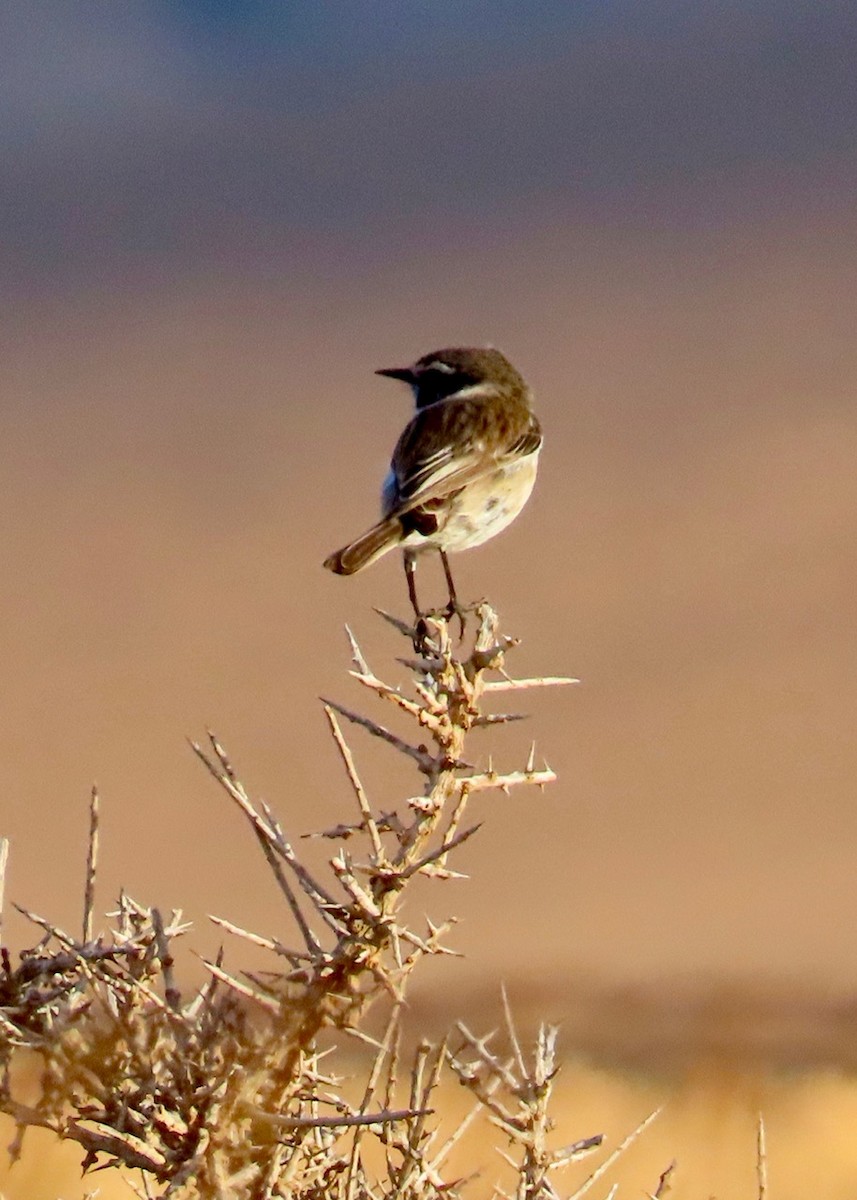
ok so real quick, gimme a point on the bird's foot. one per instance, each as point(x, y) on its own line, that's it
point(454, 609)
point(422, 640)
point(429, 633)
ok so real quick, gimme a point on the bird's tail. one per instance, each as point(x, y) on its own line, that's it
point(365, 549)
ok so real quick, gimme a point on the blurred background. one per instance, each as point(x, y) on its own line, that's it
point(217, 220)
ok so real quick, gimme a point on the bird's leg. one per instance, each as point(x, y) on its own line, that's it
point(420, 627)
point(411, 576)
point(453, 608)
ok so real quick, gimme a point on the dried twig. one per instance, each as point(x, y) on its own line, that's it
point(91, 865)
point(4, 862)
point(363, 803)
point(611, 1158)
point(761, 1159)
point(664, 1183)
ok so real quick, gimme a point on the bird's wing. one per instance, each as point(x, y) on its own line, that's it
point(455, 441)
point(529, 441)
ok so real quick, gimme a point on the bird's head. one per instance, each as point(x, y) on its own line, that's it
point(458, 371)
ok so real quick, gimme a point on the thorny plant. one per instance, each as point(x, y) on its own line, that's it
point(228, 1093)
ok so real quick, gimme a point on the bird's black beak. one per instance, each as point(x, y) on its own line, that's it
point(406, 374)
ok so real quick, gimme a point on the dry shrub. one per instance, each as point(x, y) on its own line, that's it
point(239, 1090)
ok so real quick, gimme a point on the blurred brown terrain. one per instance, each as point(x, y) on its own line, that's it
point(689, 554)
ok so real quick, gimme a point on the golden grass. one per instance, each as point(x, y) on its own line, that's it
point(708, 1127)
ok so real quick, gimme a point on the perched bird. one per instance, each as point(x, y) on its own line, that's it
point(463, 468)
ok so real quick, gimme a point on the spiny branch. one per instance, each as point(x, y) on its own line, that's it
point(224, 1091)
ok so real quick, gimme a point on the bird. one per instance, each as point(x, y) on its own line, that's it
point(462, 469)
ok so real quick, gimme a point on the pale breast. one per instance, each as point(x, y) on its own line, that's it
point(483, 508)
